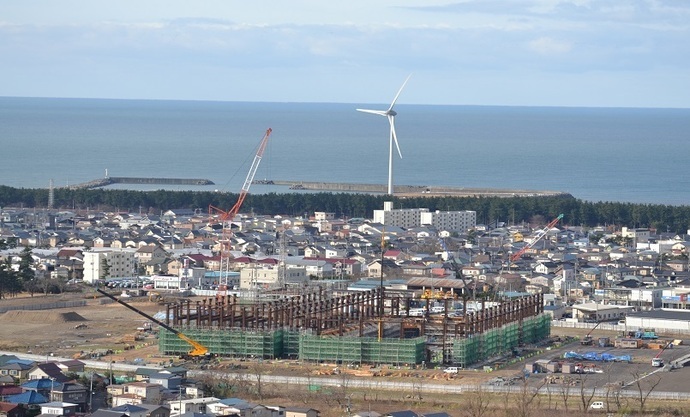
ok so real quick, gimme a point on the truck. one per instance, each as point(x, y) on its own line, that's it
point(656, 360)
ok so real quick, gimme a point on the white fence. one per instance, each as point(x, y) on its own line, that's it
point(614, 327)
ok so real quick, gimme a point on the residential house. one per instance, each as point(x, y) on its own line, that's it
point(49, 370)
point(142, 410)
point(71, 366)
point(73, 393)
point(546, 267)
point(58, 408)
point(27, 397)
point(301, 412)
point(12, 410)
point(150, 255)
point(136, 393)
point(6, 390)
point(167, 380)
point(190, 405)
point(390, 268)
point(43, 386)
point(19, 370)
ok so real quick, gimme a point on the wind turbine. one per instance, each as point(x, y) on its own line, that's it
point(390, 114)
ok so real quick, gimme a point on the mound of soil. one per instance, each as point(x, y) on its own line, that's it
point(40, 316)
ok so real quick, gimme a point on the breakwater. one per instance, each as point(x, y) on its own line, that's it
point(104, 182)
point(408, 190)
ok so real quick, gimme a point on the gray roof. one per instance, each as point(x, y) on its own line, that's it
point(662, 315)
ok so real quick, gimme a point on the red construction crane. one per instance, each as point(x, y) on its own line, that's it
point(227, 216)
point(537, 237)
point(230, 214)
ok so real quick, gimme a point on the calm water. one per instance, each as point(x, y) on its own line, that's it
point(633, 155)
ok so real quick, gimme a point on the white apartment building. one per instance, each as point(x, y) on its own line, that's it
point(406, 218)
point(121, 263)
point(267, 278)
point(441, 220)
point(450, 220)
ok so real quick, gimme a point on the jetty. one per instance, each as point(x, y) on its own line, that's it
point(409, 190)
point(104, 182)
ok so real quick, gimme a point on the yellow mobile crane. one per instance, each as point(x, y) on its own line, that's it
point(198, 349)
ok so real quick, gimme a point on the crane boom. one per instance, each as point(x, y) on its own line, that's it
point(197, 348)
point(230, 214)
point(537, 237)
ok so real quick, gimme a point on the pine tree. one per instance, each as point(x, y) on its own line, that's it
point(26, 273)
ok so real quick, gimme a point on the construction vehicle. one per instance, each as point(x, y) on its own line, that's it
point(224, 217)
point(588, 340)
point(155, 297)
point(657, 361)
point(198, 350)
point(537, 237)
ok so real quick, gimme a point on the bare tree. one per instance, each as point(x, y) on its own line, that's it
point(257, 373)
point(476, 404)
point(417, 389)
point(613, 390)
point(585, 394)
point(644, 384)
point(565, 392)
point(528, 399)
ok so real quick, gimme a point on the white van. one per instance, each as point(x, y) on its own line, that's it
point(597, 405)
point(451, 370)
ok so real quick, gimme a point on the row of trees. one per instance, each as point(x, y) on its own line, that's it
point(489, 209)
point(12, 281)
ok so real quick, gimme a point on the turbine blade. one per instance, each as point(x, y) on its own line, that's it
point(391, 119)
point(399, 91)
point(379, 112)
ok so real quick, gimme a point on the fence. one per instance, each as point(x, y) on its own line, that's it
point(613, 327)
point(48, 306)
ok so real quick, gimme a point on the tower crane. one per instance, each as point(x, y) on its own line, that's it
point(537, 237)
point(229, 215)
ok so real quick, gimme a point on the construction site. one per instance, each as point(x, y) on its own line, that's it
point(372, 327)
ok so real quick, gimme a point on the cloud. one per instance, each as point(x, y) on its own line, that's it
point(549, 46)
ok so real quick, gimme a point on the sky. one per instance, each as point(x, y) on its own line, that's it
point(592, 53)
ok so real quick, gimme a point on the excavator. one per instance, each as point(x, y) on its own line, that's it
point(588, 340)
point(198, 350)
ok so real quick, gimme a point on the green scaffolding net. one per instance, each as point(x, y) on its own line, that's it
point(494, 342)
point(362, 350)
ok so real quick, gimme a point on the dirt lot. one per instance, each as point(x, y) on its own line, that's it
point(67, 332)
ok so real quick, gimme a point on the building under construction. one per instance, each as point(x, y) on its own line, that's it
point(373, 326)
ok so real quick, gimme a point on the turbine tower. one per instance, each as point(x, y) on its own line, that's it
point(390, 114)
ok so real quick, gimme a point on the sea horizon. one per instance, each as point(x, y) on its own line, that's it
point(622, 154)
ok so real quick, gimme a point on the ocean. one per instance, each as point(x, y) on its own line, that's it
point(595, 154)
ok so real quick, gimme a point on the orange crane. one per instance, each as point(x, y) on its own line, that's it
point(537, 237)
